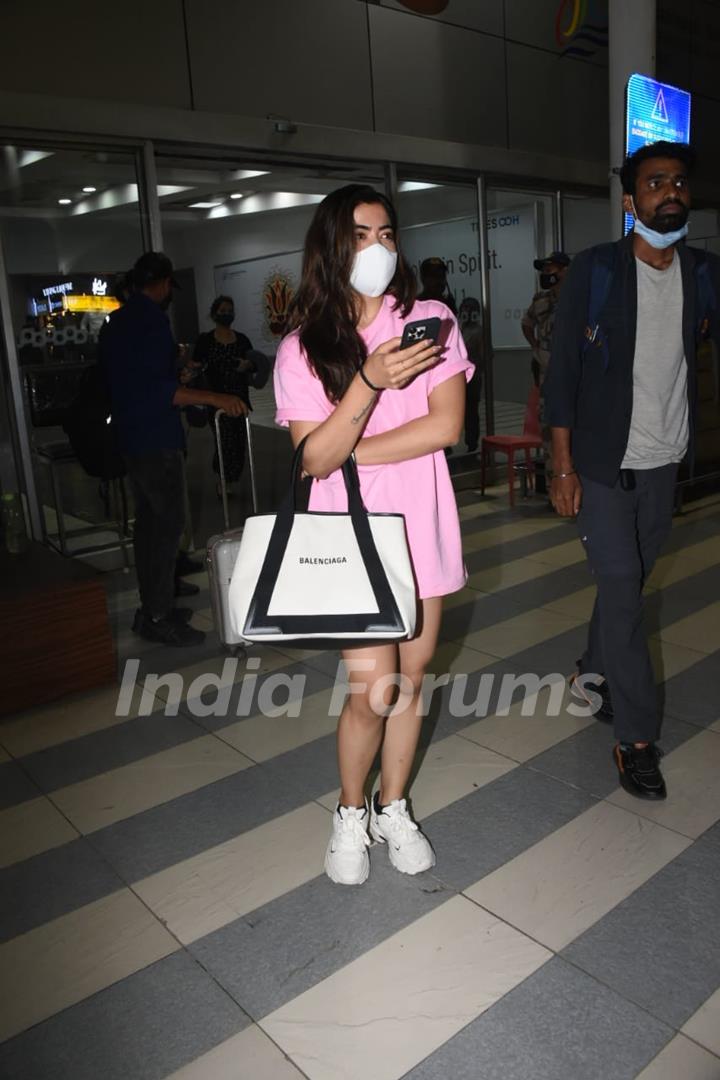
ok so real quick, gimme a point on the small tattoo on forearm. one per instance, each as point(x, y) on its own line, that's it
point(366, 409)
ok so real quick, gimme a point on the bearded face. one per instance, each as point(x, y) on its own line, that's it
point(662, 194)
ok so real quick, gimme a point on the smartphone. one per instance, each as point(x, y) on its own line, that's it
point(420, 330)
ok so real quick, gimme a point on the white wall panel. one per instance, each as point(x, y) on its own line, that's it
point(30, 245)
point(308, 61)
point(436, 80)
point(674, 42)
point(93, 243)
point(532, 22)
point(586, 222)
point(704, 127)
point(485, 15)
point(703, 224)
point(204, 246)
point(557, 105)
point(132, 52)
point(705, 49)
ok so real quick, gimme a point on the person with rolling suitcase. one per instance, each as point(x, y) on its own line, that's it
point(139, 359)
point(229, 365)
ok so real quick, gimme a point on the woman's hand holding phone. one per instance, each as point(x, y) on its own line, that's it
point(392, 368)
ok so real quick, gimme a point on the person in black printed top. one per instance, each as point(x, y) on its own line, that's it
point(229, 365)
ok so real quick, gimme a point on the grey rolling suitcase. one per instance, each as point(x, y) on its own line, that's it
point(222, 550)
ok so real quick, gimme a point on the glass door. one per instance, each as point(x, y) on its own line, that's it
point(69, 225)
point(235, 229)
point(439, 236)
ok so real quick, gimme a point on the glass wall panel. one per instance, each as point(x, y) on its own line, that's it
point(10, 473)
point(69, 224)
point(704, 233)
point(520, 230)
point(236, 228)
point(439, 236)
point(586, 222)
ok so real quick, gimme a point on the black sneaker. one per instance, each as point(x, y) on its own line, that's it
point(585, 692)
point(185, 588)
point(170, 632)
point(178, 614)
point(184, 565)
point(639, 770)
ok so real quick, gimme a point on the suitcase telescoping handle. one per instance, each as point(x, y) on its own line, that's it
point(221, 464)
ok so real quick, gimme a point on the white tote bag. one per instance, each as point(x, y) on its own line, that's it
point(307, 576)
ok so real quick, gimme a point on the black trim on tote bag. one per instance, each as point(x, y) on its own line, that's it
point(387, 619)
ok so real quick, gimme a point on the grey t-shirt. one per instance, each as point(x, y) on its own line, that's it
point(659, 424)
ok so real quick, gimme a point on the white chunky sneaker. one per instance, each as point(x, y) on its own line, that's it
point(409, 850)
point(346, 858)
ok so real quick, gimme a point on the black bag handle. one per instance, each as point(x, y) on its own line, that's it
point(281, 533)
point(350, 476)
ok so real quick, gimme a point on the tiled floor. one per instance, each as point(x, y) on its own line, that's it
point(163, 911)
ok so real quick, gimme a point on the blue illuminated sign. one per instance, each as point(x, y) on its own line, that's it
point(654, 111)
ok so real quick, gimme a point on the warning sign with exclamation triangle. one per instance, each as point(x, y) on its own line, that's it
point(660, 108)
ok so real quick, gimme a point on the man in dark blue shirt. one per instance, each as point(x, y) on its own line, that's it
point(139, 358)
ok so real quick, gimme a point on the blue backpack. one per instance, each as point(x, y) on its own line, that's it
point(601, 276)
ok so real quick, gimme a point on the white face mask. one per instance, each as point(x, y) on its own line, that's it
point(373, 270)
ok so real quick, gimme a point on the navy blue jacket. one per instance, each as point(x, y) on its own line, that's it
point(592, 393)
point(138, 355)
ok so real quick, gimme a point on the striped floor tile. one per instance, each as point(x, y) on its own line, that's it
point(228, 953)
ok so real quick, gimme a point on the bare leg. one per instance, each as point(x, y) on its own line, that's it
point(403, 727)
point(360, 729)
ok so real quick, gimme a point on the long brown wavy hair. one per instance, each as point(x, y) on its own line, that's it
point(325, 306)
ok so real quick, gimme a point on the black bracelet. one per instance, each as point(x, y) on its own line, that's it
point(363, 376)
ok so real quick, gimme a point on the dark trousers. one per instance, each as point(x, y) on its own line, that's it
point(233, 438)
point(158, 486)
point(623, 532)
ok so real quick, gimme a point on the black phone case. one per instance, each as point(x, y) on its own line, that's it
point(420, 330)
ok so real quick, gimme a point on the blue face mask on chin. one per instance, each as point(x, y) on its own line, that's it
point(657, 239)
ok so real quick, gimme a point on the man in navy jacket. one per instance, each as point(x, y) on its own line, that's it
point(620, 397)
point(139, 357)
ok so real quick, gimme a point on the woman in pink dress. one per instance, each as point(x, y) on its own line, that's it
point(342, 380)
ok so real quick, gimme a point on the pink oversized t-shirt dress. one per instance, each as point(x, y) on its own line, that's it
point(420, 489)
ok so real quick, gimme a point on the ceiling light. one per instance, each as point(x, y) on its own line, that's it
point(205, 205)
point(414, 185)
point(248, 174)
point(259, 202)
point(89, 190)
point(65, 202)
point(30, 157)
point(172, 189)
point(238, 195)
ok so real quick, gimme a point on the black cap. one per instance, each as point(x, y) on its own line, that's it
point(152, 266)
point(434, 263)
point(559, 258)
